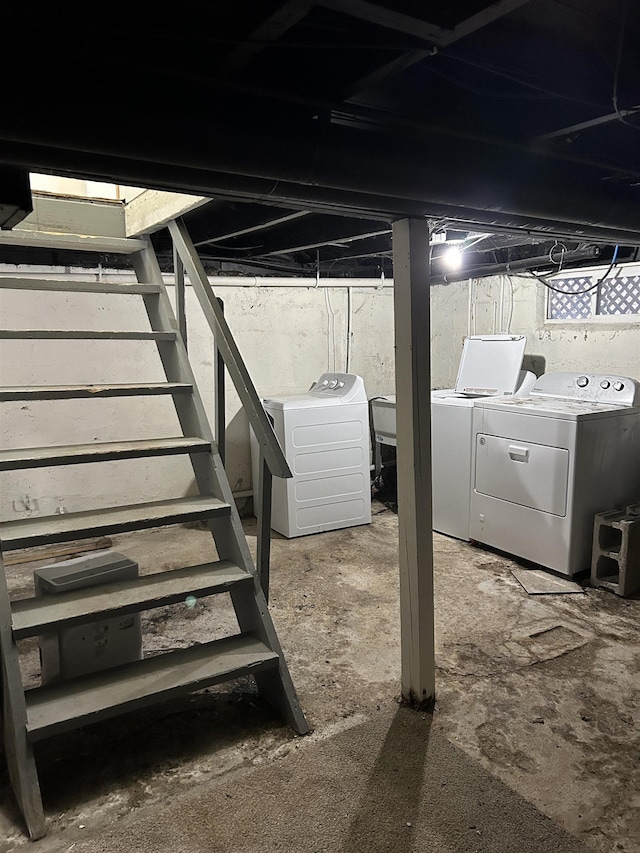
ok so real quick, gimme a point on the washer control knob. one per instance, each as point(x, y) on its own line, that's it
point(619, 386)
point(333, 383)
point(582, 381)
point(605, 384)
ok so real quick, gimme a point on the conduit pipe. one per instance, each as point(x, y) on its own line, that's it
point(514, 266)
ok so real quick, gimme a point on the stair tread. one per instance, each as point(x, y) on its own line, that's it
point(66, 286)
point(32, 616)
point(34, 457)
point(27, 532)
point(60, 392)
point(73, 242)
point(90, 698)
point(83, 335)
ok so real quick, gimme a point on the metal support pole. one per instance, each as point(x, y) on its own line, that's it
point(264, 526)
point(181, 312)
point(413, 413)
point(218, 383)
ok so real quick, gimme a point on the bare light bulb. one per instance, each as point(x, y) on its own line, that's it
point(452, 258)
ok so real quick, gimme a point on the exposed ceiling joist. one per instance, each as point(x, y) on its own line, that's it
point(285, 17)
point(587, 125)
point(270, 223)
point(443, 39)
point(417, 27)
point(479, 20)
point(387, 18)
point(338, 241)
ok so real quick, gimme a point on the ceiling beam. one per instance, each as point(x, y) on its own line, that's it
point(443, 38)
point(470, 183)
point(479, 20)
point(270, 223)
point(587, 125)
point(387, 18)
point(335, 242)
point(285, 17)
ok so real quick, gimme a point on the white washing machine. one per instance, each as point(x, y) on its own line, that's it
point(545, 464)
point(490, 365)
point(324, 435)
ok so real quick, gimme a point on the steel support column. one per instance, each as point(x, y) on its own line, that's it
point(413, 412)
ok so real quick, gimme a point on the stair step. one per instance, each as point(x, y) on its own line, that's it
point(64, 286)
point(88, 699)
point(74, 242)
point(33, 616)
point(75, 454)
point(82, 335)
point(75, 392)
point(28, 532)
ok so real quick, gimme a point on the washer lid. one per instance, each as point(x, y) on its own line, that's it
point(490, 365)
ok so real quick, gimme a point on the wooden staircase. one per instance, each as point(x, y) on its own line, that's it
point(32, 714)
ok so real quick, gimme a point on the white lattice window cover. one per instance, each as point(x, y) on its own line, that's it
point(620, 295)
point(571, 304)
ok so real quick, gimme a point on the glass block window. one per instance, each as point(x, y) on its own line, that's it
point(616, 295)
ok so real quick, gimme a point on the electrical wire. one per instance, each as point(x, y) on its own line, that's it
point(548, 284)
point(511, 305)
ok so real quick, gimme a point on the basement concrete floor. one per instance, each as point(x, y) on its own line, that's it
point(543, 692)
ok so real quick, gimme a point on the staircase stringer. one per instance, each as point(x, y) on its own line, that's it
point(251, 610)
point(21, 764)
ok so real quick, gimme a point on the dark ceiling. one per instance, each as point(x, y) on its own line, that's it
point(313, 125)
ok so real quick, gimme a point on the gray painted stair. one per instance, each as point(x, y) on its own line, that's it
point(75, 392)
point(75, 454)
point(82, 335)
point(64, 286)
point(91, 698)
point(29, 715)
point(28, 532)
point(33, 616)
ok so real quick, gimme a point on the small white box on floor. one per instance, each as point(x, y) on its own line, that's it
point(325, 437)
point(91, 646)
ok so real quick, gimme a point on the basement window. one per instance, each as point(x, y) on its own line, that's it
point(617, 295)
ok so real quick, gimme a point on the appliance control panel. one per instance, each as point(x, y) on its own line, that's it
point(589, 387)
point(348, 386)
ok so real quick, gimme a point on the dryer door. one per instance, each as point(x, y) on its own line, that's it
point(532, 475)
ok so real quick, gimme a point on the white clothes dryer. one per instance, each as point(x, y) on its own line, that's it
point(545, 464)
point(324, 435)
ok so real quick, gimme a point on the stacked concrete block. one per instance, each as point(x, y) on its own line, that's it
point(615, 562)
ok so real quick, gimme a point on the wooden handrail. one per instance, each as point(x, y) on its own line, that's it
point(228, 349)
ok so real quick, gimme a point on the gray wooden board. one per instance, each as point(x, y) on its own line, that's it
point(83, 335)
point(539, 582)
point(85, 700)
point(76, 525)
point(75, 242)
point(37, 457)
point(64, 286)
point(74, 392)
point(32, 616)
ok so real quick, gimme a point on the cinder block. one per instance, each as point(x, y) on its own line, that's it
point(615, 561)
